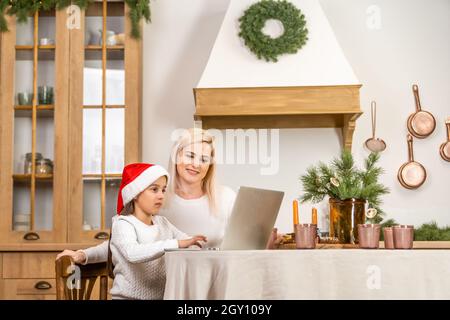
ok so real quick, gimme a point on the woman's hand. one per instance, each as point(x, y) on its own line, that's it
point(77, 256)
point(274, 239)
point(194, 241)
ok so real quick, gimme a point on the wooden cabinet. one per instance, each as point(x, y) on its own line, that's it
point(31, 275)
point(34, 116)
point(70, 120)
point(104, 132)
point(70, 96)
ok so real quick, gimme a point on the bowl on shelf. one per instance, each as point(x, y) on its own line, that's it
point(25, 98)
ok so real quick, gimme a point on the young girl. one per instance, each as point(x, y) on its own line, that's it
point(139, 235)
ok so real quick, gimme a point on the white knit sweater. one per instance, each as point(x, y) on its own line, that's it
point(190, 216)
point(138, 256)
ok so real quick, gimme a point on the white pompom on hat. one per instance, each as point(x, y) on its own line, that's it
point(136, 177)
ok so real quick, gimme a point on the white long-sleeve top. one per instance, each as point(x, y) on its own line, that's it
point(194, 216)
point(190, 216)
point(138, 256)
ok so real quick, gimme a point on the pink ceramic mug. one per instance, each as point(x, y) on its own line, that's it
point(388, 233)
point(403, 237)
point(305, 236)
point(369, 236)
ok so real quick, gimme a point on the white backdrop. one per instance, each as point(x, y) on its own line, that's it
point(411, 46)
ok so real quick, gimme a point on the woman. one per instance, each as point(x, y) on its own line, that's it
point(195, 204)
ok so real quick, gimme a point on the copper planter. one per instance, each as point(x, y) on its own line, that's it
point(345, 215)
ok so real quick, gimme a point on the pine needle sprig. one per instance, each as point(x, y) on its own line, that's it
point(343, 180)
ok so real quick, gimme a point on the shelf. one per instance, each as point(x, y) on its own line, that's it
point(280, 107)
point(99, 47)
point(31, 47)
point(43, 111)
point(44, 52)
point(26, 178)
point(94, 52)
point(118, 106)
point(98, 177)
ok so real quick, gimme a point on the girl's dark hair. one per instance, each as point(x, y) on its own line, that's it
point(128, 209)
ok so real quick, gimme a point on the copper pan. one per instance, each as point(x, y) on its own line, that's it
point(420, 123)
point(412, 174)
point(445, 147)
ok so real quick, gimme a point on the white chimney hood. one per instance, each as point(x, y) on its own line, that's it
point(320, 62)
point(316, 87)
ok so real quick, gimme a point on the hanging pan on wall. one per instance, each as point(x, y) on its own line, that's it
point(445, 147)
point(421, 123)
point(374, 144)
point(412, 174)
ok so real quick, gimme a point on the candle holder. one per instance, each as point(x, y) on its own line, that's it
point(305, 236)
point(369, 236)
point(388, 234)
point(403, 237)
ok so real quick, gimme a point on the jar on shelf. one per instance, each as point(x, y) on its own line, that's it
point(44, 166)
point(27, 166)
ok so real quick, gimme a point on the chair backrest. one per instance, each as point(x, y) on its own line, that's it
point(109, 262)
point(75, 282)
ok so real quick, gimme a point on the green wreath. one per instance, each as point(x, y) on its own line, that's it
point(263, 46)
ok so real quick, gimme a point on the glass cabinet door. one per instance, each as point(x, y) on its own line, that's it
point(34, 122)
point(101, 145)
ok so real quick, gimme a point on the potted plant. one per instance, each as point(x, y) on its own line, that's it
point(349, 190)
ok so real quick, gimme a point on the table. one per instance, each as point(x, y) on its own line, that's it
point(308, 274)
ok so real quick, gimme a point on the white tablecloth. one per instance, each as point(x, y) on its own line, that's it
point(308, 274)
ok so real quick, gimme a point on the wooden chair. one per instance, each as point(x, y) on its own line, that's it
point(65, 269)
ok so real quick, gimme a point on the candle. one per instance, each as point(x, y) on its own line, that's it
point(314, 216)
point(295, 208)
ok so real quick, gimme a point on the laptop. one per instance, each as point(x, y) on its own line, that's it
point(252, 219)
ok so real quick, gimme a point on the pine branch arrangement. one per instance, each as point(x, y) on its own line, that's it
point(432, 232)
point(22, 9)
point(343, 180)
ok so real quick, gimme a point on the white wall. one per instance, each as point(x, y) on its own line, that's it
point(411, 47)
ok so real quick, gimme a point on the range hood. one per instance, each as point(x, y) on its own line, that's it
point(314, 88)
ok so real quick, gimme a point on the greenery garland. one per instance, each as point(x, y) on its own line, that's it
point(263, 46)
point(22, 9)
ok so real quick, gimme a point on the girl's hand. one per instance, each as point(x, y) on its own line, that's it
point(194, 241)
point(77, 256)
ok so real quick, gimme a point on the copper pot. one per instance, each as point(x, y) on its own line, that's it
point(411, 174)
point(420, 123)
point(444, 150)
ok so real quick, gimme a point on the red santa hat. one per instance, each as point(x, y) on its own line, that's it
point(136, 177)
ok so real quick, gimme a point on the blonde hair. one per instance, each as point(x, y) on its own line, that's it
point(188, 137)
